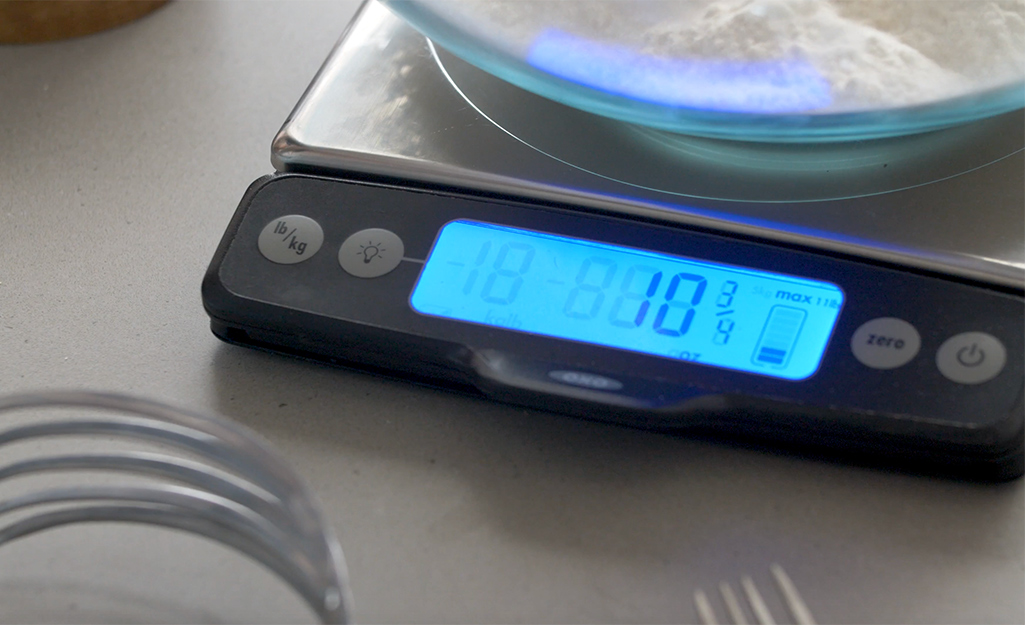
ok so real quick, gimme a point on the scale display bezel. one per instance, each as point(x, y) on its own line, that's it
point(316, 309)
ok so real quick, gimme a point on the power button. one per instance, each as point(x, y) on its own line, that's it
point(971, 358)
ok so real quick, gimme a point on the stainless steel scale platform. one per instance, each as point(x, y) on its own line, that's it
point(388, 103)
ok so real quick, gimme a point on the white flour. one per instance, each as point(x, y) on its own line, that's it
point(872, 53)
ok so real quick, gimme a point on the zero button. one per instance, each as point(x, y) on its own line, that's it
point(885, 343)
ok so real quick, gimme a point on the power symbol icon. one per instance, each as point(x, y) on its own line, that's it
point(971, 356)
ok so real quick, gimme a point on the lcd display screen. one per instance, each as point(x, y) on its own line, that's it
point(632, 299)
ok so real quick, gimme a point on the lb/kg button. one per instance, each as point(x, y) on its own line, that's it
point(971, 358)
point(885, 343)
point(290, 239)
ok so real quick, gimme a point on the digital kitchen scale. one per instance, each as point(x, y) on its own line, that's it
point(860, 299)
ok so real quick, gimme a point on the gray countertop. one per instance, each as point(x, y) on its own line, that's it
point(122, 158)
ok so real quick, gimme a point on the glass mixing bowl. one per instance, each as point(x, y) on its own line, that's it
point(752, 70)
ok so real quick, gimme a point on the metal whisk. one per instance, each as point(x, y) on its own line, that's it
point(240, 493)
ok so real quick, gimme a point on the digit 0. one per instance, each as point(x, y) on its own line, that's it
point(678, 305)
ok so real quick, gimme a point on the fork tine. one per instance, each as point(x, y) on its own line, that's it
point(732, 604)
point(704, 607)
point(799, 610)
point(758, 606)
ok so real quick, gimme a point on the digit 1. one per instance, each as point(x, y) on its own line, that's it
point(482, 255)
point(635, 320)
point(672, 303)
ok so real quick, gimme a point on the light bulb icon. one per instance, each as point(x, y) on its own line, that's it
point(370, 251)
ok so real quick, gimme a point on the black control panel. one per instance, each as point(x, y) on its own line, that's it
point(920, 370)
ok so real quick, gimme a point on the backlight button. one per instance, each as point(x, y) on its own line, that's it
point(371, 253)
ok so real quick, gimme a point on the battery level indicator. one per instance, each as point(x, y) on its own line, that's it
point(779, 335)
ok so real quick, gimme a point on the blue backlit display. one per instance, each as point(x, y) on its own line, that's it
point(758, 87)
point(637, 300)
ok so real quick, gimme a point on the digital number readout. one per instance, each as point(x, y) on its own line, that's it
point(670, 306)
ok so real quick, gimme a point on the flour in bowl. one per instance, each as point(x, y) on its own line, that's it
point(871, 54)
